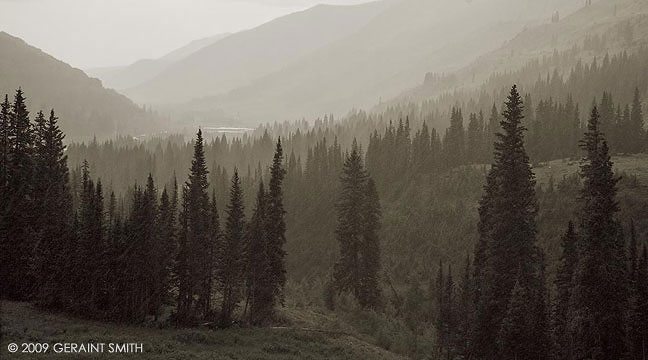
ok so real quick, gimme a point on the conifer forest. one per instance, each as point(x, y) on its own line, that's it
point(292, 191)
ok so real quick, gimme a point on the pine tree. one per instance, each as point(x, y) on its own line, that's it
point(370, 264)
point(454, 143)
point(493, 129)
point(196, 263)
point(449, 315)
point(636, 133)
point(184, 300)
point(564, 282)
point(229, 271)
point(259, 279)
point(52, 210)
point(6, 250)
point(353, 180)
point(465, 312)
point(639, 335)
point(5, 113)
point(506, 252)
point(473, 148)
point(216, 237)
point(89, 259)
point(16, 273)
point(358, 214)
point(514, 331)
point(600, 293)
point(167, 247)
point(276, 224)
point(638, 299)
point(142, 256)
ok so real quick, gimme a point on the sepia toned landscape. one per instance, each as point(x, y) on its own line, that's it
point(284, 179)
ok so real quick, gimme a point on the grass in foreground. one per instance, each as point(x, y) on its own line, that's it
point(23, 323)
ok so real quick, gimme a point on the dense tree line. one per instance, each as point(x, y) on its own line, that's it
point(599, 310)
point(426, 192)
point(129, 260)
point(358, 221)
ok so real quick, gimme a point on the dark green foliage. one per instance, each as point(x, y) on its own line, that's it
point(5, 247)
point(639, 310)
point(229, 271)
point(196, 250)
point(600, 292)
point(515, 331)
point(259, 276)
point(635, 128)
point(564, 282)
point(18, 230)
point(358, 213)
point(506, 254)
point(638, 298)
point(275, 226)
point(52, 212)
point(167, 237)
point(454, 142)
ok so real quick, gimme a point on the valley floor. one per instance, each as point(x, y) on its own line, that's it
point(23, 323)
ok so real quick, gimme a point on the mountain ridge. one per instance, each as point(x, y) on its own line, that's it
point(84, 106)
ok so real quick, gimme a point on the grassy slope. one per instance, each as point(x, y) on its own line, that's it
point(22, 322)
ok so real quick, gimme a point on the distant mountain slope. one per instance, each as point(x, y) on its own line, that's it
point(605, 27)
point(85, 108)
point(245, 56)
point(391, 53)
point(123, 77)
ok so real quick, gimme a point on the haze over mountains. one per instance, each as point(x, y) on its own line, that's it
point(245, 56)
point(602, 28)
point(377, 51)
point(123, 77)
point(327, 59)
point(84, 106)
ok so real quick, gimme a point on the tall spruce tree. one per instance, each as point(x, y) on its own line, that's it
point(52, 212)
point(260, 289)
point(196, 263)
point(276, 224)
point(639, 335)
point(229, 271)
point(167, 247)
point(600, 292)
point(18, 231)
point(636, 133)
point(506, 253)
point(564, 282)
point(358, 214)
point(5, 113)
point(638, 306)
point(5, 244)
point(370, 248)
point(347, 272)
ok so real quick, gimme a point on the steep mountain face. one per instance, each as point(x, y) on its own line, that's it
point(123, 77)
point(604, 27)
point(245, 56)
point(84, 106)
point(391, 53)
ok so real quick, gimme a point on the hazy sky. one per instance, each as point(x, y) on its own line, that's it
point(93, 33)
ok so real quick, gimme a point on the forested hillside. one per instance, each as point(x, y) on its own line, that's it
point(596, 29)
point(86, 107)
point(389, 53)
point(428, 189)
point(499, 212)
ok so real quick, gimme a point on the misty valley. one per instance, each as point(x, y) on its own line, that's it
point(393, 179)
